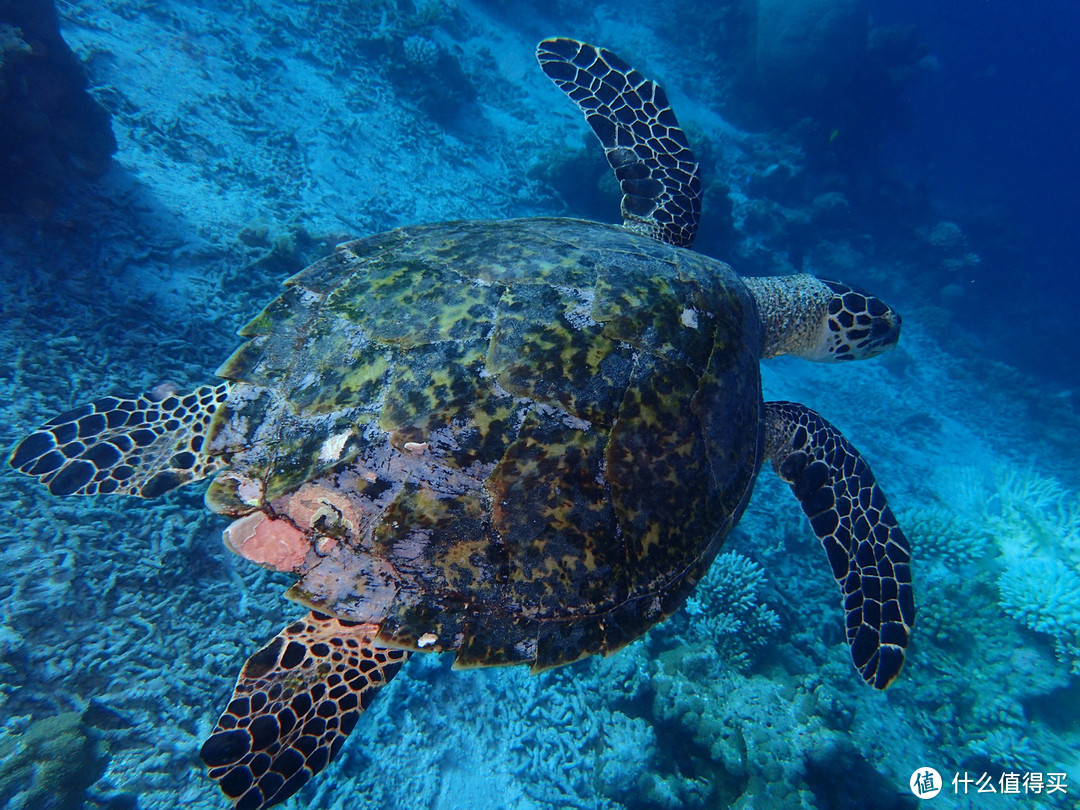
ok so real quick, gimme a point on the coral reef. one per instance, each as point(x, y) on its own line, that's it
point(952, 540)
point(51, 129)
point(431, 75)
point(766, 744)
point(950, 243)
point(808, 50)
point(995, 559)
point(48, 764)
point(1043, 594)
point(728, 611)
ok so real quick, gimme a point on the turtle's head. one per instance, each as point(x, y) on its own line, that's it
point(857, 325)
point(821, 320)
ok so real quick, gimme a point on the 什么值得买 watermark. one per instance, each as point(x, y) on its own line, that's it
point(926, 783)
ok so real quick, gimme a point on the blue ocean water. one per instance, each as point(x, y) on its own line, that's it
point(922, 152)
point(994, 124)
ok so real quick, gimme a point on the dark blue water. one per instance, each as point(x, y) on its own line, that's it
point(996, 128)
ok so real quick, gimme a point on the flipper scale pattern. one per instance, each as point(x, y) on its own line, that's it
point(641, 137)
point(295, 702)
point(868, 553)
point(140, 445)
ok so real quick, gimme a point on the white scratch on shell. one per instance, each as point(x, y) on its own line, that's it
point(426, 640)
point(331, 448)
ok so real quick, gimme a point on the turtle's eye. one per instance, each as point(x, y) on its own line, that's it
point(858, 324)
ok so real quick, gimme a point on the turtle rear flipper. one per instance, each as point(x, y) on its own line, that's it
point(642, 139)
point(294, 703)
point(869, 555)
point(134, 446)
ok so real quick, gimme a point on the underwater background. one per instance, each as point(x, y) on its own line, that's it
point(926, 151)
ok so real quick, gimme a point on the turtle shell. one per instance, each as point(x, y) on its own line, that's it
point(523, 441)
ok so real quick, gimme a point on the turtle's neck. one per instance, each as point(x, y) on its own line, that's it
point(792, 311)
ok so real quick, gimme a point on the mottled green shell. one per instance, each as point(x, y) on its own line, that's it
point(544, 427)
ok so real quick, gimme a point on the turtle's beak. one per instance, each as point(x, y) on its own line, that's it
point(884, 333)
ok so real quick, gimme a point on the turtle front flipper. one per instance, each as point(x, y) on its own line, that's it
point(141, 446)
point(869, 555)
point(295, 702)
point(641, 137)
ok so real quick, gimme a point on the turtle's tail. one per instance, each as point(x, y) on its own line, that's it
point(141, 446)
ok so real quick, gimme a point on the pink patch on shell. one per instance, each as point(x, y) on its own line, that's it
point(275, 544)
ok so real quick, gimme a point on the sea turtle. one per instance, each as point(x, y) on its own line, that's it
point(519, 441)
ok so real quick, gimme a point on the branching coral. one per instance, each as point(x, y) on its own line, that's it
point(1029, 513)
point(940, 535)
point(1036, 522)
point(948, 237)
point(727, 610)
point(1004, 748)
point(1033, 513)
point(1044, 595)
point(420, 51)
point(629, 759)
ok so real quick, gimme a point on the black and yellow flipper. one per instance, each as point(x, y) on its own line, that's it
point(869, 555)
point(642, 139)
point(141, 445)
point(295, 702)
